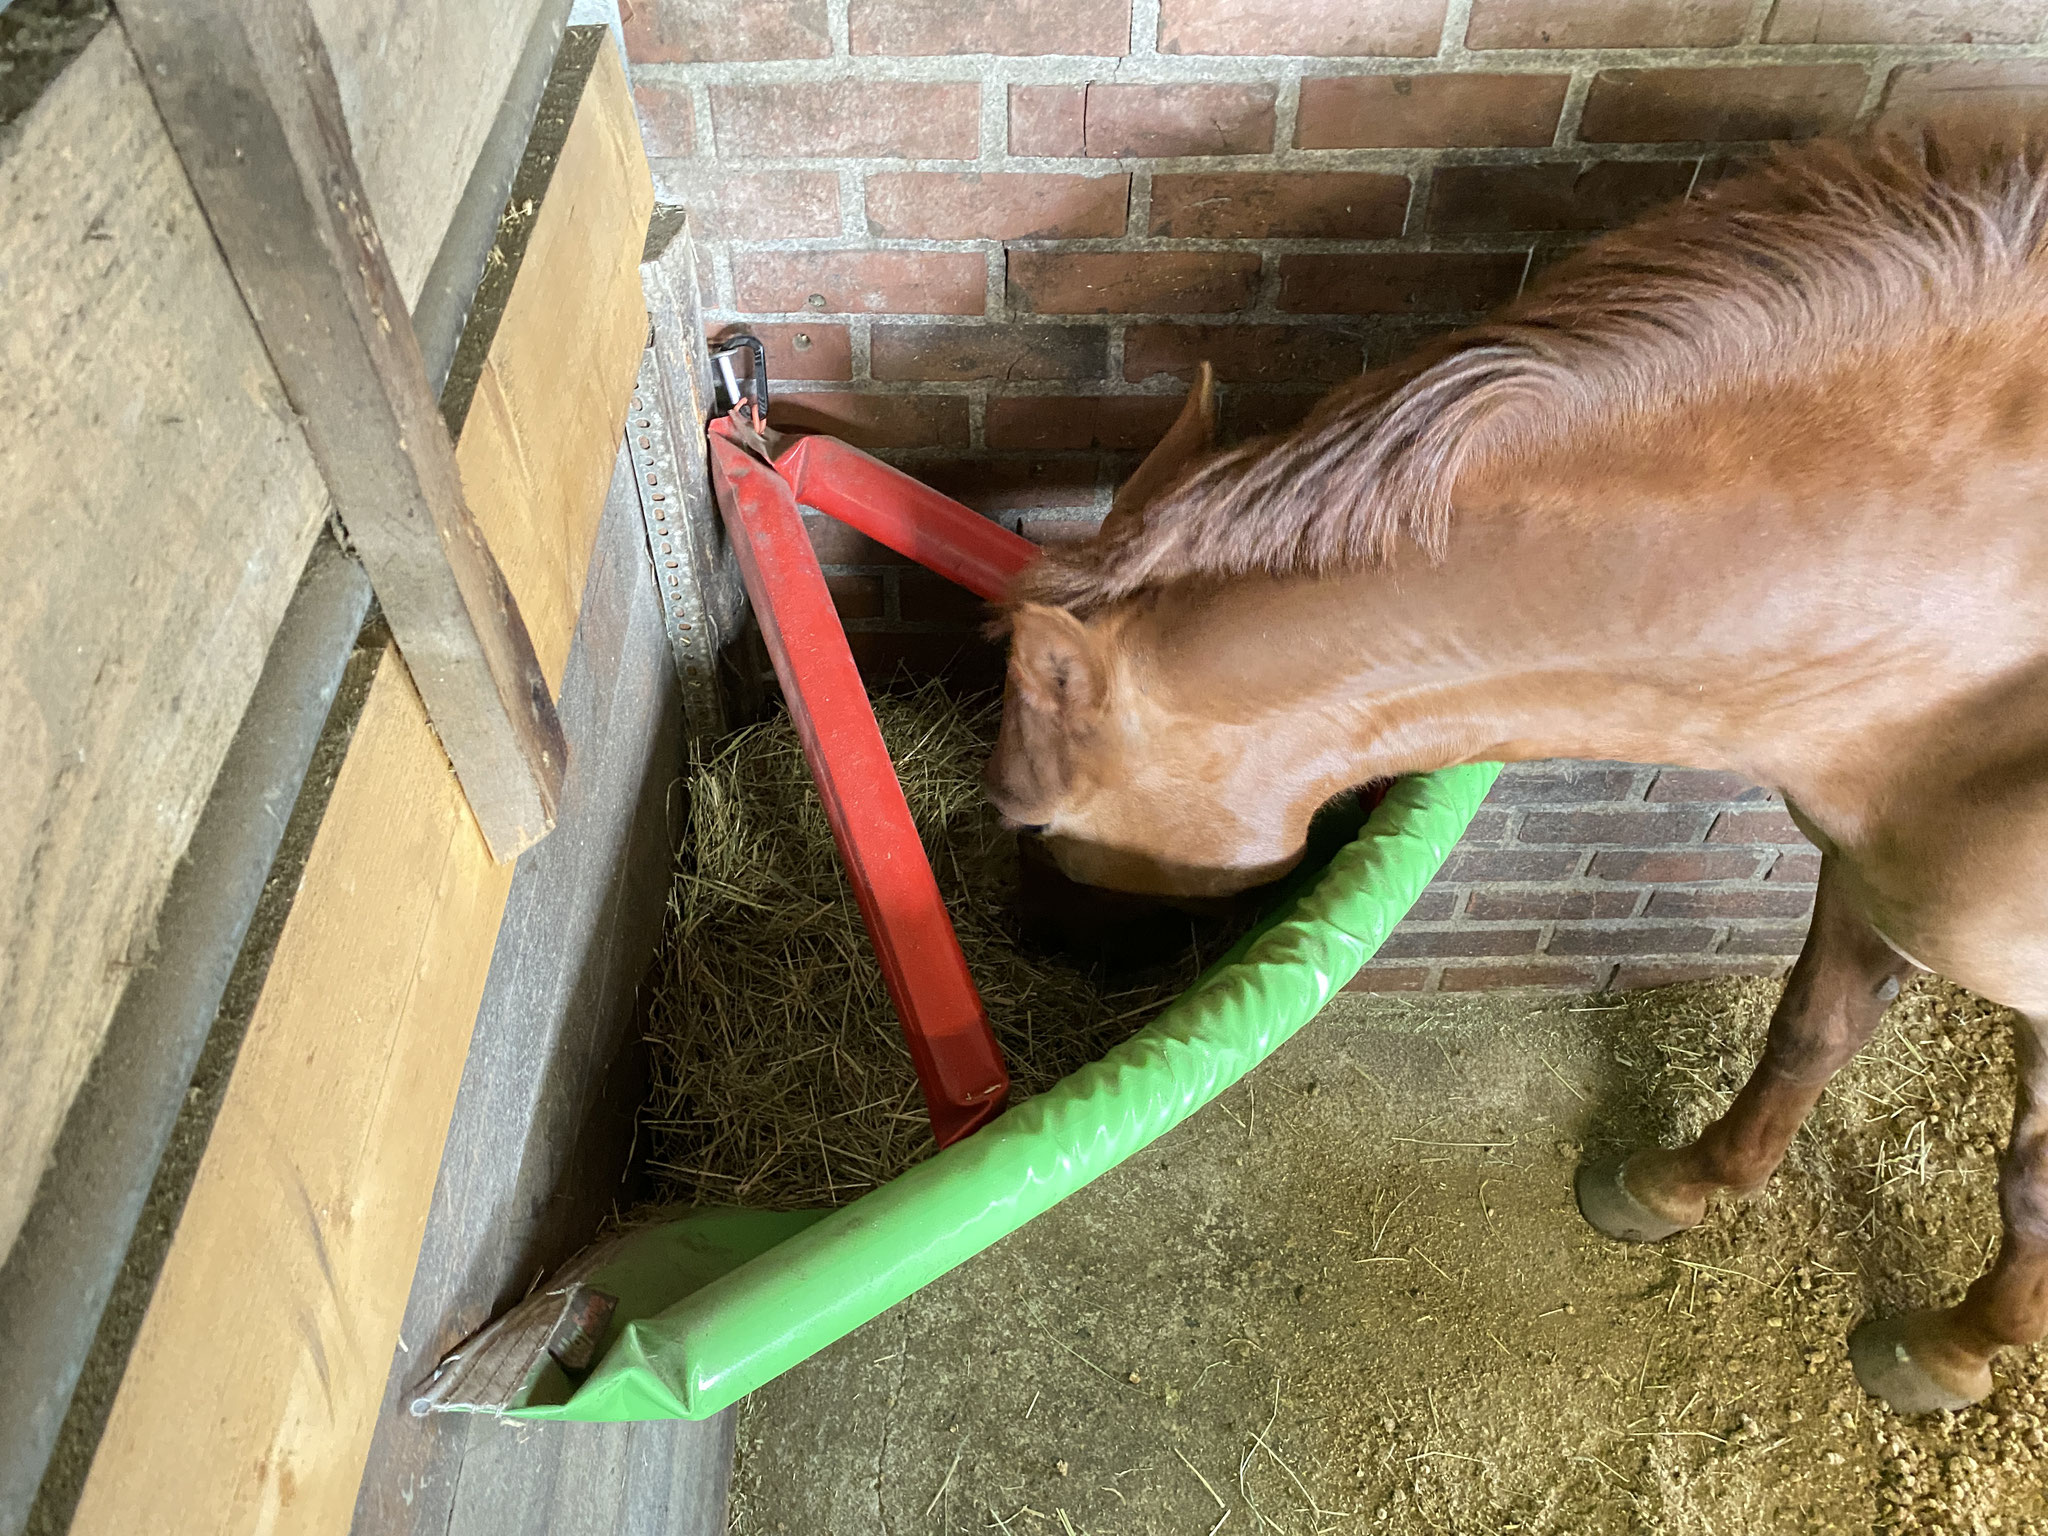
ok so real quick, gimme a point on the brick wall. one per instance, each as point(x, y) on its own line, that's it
point(992, 240)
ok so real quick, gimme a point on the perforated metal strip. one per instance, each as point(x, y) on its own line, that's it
point(677, 566)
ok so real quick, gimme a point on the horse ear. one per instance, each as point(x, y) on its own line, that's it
point(1192, 435)
point(1057, 664)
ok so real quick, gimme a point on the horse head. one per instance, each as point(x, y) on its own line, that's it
point(1126, 792)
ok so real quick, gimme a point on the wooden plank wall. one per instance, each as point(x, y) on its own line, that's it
point(250, 1396)
point(550, 1096)
point(161, 500)
point(160, 503)
point(537, 447)
point(420, 83)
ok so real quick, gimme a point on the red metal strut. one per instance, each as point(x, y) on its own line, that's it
point(958, 1061)
point(906, 515)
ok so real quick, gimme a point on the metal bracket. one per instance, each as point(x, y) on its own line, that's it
point(732, 389)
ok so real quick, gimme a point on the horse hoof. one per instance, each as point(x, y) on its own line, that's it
point(1605, 1201)
point(1887, 1367)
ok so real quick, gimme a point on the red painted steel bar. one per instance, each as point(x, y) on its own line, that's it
point(905, 514)
point(944, 1023)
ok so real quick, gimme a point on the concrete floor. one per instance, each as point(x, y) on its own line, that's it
point(1354, 1294)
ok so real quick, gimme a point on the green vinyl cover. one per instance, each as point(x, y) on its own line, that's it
point(718, 1302)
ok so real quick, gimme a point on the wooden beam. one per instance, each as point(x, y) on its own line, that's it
point(543, 425)
point(251, 103)
point(159, 504)
point(421, 86)
point(255, 1381)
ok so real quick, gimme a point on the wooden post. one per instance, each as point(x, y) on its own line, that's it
point(249, 98)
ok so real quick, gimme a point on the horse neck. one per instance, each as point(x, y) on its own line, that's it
point(1539, 635)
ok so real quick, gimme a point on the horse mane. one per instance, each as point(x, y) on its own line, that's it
point(1763, 278)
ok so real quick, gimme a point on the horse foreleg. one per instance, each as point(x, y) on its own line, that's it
point(1844, 979)
point(1920, 1361)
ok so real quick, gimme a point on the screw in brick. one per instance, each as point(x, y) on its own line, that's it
point(816, 301)
point(802, 340)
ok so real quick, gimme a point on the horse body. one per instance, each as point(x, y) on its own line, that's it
point(1800, 533)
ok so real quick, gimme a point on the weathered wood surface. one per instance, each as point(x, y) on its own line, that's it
point(420, 85)
point(255, 113)
point(542, 430)
point(160, 503)
point(249, 1396)
point(544, 1121)
point(279, 1305)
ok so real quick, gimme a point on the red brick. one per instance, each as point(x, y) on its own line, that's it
point(1390, 978)
point(1607, 23)
point(1918, 95)
point(1636, 939)
point(668, 126)
point(1012, 484)
point(1049, 422)
point(1741, 902)
point(1495, 904)
point(951, 353)
point(1476, 864)
point(1428, 111)
point(1534, 973)
point(1399, 283)
point(1048, 119)
point(1262, 412)
point(1406, 943)
point(1702, 786)
point(1777, 939)
point(923, 598)
point(1436, 905)
point(1629, 829)
point(1636, 975)
point(973, 205)
point(774, 205)
point(1165, 120)
point(862, 282)
point(700, 31)
point(1794, 867)
point(1314, 205)
point(917, 27)
point(1662, 106)
point(1496, 199)
point(837, 544)
point(1896, 21)
point(1132, 282)
point(875, 421)
point(1267, 354)
point(856, 597)
point(1048, 531)
point(1574, 785)
point(1392, 343)
point(803, 351)
point(1757, 827)
point(1675, 866)
point(1331, 29)
point(889, 660)
point(1488, 826)
point(848, 117)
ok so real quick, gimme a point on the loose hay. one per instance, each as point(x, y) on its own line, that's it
point(780, 1075)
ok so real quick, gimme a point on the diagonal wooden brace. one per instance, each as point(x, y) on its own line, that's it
point(249, 98)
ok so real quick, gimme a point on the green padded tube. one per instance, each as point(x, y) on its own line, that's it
point(677, 1352)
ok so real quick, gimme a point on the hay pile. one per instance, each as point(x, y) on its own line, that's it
point(780, 1075)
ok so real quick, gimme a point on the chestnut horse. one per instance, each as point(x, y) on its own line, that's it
point(1758, 485)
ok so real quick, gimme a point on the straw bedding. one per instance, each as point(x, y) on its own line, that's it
point(780, 1075)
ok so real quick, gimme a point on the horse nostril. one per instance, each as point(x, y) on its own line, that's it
point(1036, 829)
